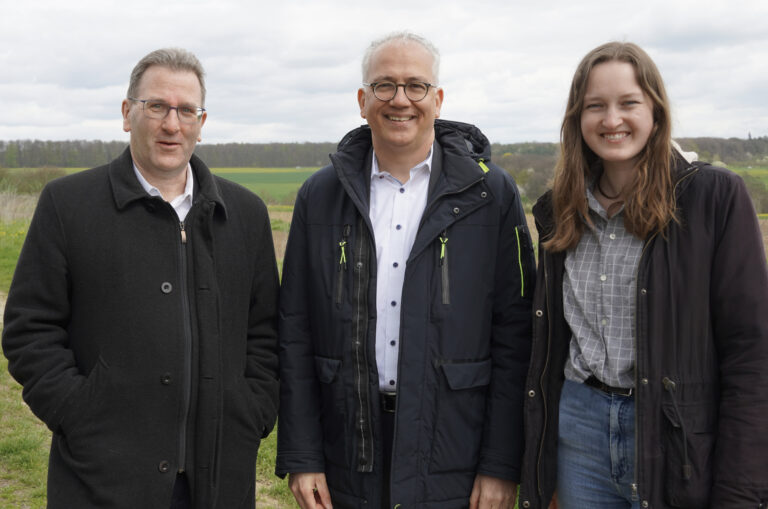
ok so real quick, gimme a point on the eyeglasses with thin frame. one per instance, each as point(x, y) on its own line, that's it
point(159, 110)
point(415, 91)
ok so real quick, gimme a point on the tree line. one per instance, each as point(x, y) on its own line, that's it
point(531, 163)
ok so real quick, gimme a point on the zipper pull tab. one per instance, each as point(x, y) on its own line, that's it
point(342, 246)
point(443, 243)
point(183, 232)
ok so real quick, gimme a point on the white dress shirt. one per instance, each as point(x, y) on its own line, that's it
point(182, 203)
point(395, 214)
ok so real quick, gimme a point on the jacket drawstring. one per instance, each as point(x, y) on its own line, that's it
point(670, 386)
point(342, 262)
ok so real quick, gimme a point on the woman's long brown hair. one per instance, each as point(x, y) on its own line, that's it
point(649, 201)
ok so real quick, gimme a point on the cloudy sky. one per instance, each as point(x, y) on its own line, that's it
point(285, 70)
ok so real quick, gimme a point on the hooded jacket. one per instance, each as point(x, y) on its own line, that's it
point(464, 331)
point(701, 354)
point(145, 344)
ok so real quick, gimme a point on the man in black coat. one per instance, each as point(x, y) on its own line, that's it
point(141, 320)
point(405, 309)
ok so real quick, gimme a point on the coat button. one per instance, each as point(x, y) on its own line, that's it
point(526, 503)
point(456, 211)
point(539, 313)
point(645, 503)
point(531, 393)
point(165, 379)
point(166, 287)
point(644, 381)
point(643, 291)
point(483, 194)
point(164, 466)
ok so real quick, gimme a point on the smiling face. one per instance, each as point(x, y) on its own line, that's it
point(401, 127)
point(617, 117)
point(161, 148)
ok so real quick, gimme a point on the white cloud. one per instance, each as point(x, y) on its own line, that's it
point(288, 71)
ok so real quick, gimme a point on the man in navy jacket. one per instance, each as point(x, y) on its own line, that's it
point(405, 308)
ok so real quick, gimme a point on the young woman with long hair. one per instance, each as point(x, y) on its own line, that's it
point(648, 384)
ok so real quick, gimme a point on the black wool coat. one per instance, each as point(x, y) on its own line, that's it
point(464, 337)
point(146, 345)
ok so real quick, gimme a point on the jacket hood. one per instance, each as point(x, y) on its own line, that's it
point(458, 137)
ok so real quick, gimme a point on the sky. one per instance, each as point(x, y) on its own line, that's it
point(288, 71)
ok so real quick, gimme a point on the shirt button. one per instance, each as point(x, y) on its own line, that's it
point(402, 190)
point(395, 265)
point(391, 382)
point(604, 321)
point(393, 342)
point(398, 227)
point(166, 287)
point(603, 277)
point(393, 303)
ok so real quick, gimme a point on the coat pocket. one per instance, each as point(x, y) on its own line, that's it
point(459, 417)
point(333, 409)
point(688, 445)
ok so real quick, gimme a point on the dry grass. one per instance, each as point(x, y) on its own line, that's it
point(16, 206)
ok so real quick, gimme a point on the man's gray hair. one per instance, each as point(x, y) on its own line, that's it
point(175, 59)
point(402, 37)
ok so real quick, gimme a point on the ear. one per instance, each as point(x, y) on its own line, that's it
point(438, 101)
point(126, 108)
point(361, 101)
point(202, 122)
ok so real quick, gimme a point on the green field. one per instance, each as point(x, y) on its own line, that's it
point(273, 185)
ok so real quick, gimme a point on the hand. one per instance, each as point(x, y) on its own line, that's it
point(310, 490)
point(492, 493)
point(553, 503)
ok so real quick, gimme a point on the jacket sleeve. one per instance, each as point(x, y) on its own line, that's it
point(35, 337)
point(502, 444)
point(261, 356)
point(739, 304)
point(299, 439)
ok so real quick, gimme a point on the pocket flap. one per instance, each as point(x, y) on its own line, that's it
point(698, 418)
point(326, 369)
point(466, 375)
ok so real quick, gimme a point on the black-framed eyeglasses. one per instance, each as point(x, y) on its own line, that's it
point(386, 90)
point(159, 110)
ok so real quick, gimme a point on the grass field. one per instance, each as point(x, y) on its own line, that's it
point(24, 440)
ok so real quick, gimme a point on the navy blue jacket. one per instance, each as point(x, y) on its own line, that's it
point(464, 341)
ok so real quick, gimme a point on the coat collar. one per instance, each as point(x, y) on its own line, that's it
point(127, 189)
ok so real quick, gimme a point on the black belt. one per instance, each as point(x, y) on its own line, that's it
point(388, 401)
point(597, 384)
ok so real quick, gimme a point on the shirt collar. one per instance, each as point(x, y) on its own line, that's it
point(426, 163)
point(153, 191)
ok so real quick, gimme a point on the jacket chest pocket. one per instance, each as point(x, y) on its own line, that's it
point(459, 415)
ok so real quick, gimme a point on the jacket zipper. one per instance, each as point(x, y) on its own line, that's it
point(541, 380)
point(187, 369)
point(443, 261)
point(520, 261)
point(638, 289)
point(365, 455)
point(342, 262)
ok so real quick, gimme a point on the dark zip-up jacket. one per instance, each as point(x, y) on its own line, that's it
point(147, 346)
point(701, 389)
point(464, 331)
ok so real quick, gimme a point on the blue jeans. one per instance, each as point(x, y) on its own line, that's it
point(595, 449)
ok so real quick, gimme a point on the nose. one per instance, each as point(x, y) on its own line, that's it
point(400, 98)
point(171, 121)
point(612, 118)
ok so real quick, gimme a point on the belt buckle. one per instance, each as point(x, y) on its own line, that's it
point(388, 401)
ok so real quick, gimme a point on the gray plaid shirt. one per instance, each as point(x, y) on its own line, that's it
point(599, 300)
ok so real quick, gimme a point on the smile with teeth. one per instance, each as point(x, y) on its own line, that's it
point(399, 119)
point(615, 136)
